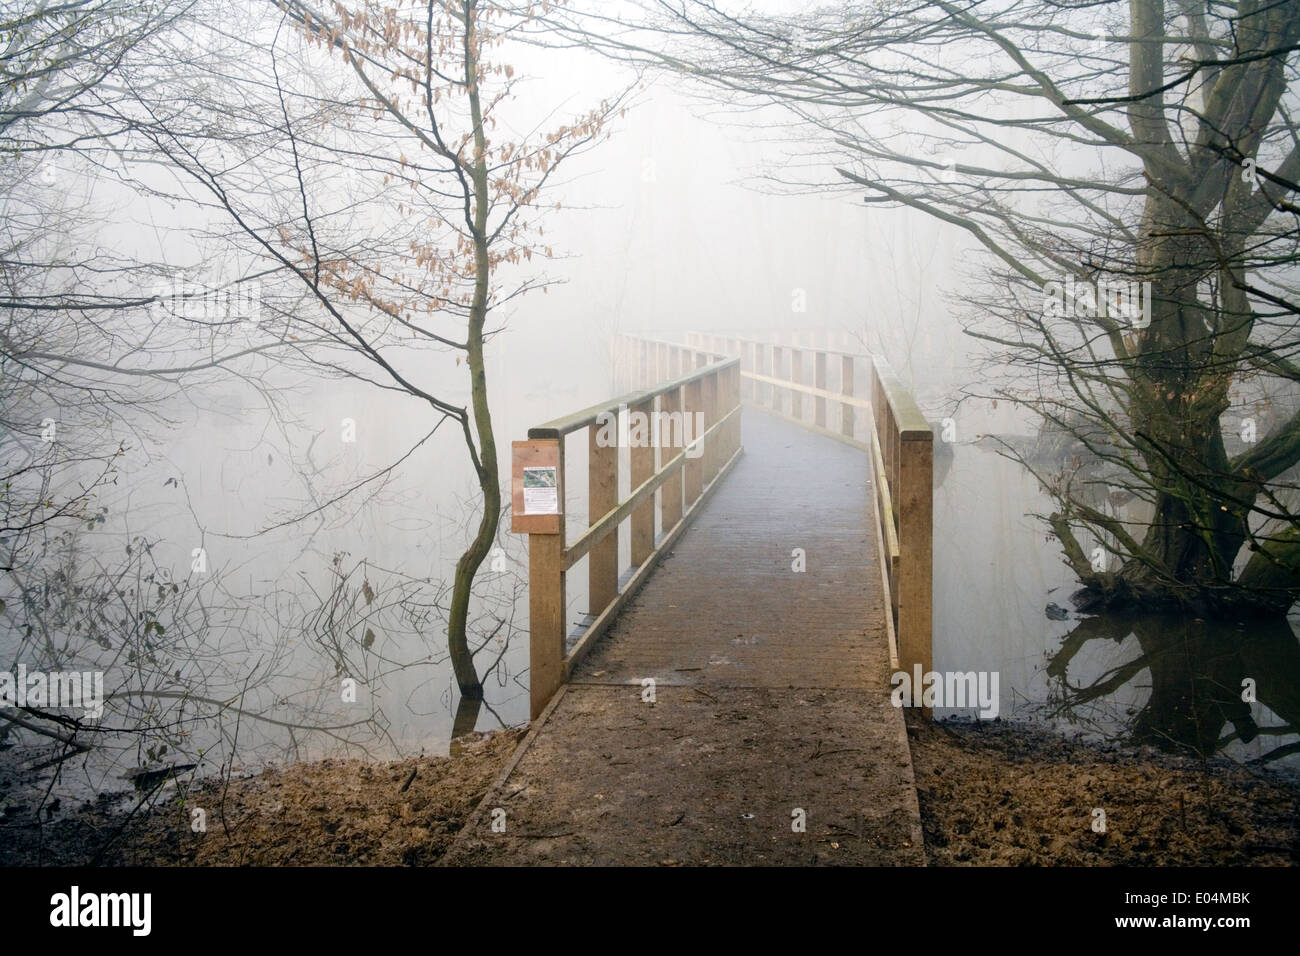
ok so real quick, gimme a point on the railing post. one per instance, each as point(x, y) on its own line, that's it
point(710, 407)
point(819, 380)
point(693, 402)
point(546, 607)
point(796, 376)
point(602, 497)
point(671, 490)
point(752, 349)
point(846, 388)
point(735, 404)
point(641, 463)
point(914, 494)
point(778, 404)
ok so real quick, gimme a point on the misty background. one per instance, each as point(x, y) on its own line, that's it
point(672, 225)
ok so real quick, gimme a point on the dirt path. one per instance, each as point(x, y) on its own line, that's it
point(769, 737)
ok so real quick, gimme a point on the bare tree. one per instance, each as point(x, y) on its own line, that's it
point(90, 363)
point(370, 154)
point(1131, 170)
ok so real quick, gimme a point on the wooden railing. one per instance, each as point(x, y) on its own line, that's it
point(901, 446)
point(670, 478)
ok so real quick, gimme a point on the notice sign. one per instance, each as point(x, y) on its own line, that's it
point(536, 498)
point(541, 491)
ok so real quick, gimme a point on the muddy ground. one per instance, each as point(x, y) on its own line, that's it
point(326, 813)
point(997, 794)
point(990, 794)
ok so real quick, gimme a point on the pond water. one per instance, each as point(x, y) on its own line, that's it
point(1002, 604)
point(295, 611)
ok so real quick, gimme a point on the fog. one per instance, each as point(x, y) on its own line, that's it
point(671, 225)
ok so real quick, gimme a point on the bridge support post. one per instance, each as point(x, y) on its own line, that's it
point(846, 387)
point(671, 492)
point(796, 376)
point(709, 403)
point(694, 467)
point(736, 385)
point(545, 570)
point(641, 463)
point(916, 544)
point(602, 497)
point(750, 350)
point(778, 397)
point(545, 619)
point(819, 381)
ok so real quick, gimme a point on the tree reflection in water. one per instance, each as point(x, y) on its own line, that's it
point(1197, 672)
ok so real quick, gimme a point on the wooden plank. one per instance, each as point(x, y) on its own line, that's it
point(885, 506)
point(916, 553)
point(735, 403)
point(535, 453)
point(846, 402)
point(819, 381)
point(602, 496)
point(709, 398)
point(780, 382)
point(601, 624)
point(559, 427)
point(796, 376)
point(641, 456)
point(693, 400)
point(887, 570)
point(670, 494)
point(790, 340)
point(545, 618)
point(908, 415)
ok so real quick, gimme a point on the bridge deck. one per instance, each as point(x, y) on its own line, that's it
point(771, 694)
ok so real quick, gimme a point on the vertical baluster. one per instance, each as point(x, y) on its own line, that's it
point(676, 430)
point(693, 401)
point(796, 376)
point(602, 497)
point(642, 464)
point(819, 380)
point(846, 388)
point(778, 372)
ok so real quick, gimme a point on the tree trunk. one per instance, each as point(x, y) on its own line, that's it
point(489, 481)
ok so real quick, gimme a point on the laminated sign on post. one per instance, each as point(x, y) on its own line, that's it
point(537, 501)
point(541, 491)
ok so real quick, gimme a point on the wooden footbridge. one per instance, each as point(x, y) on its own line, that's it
point(756, 532)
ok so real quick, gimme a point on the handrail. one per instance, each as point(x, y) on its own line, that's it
point(676, 383)
point(911, 420)
point(726, 337)
point(566, 424)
